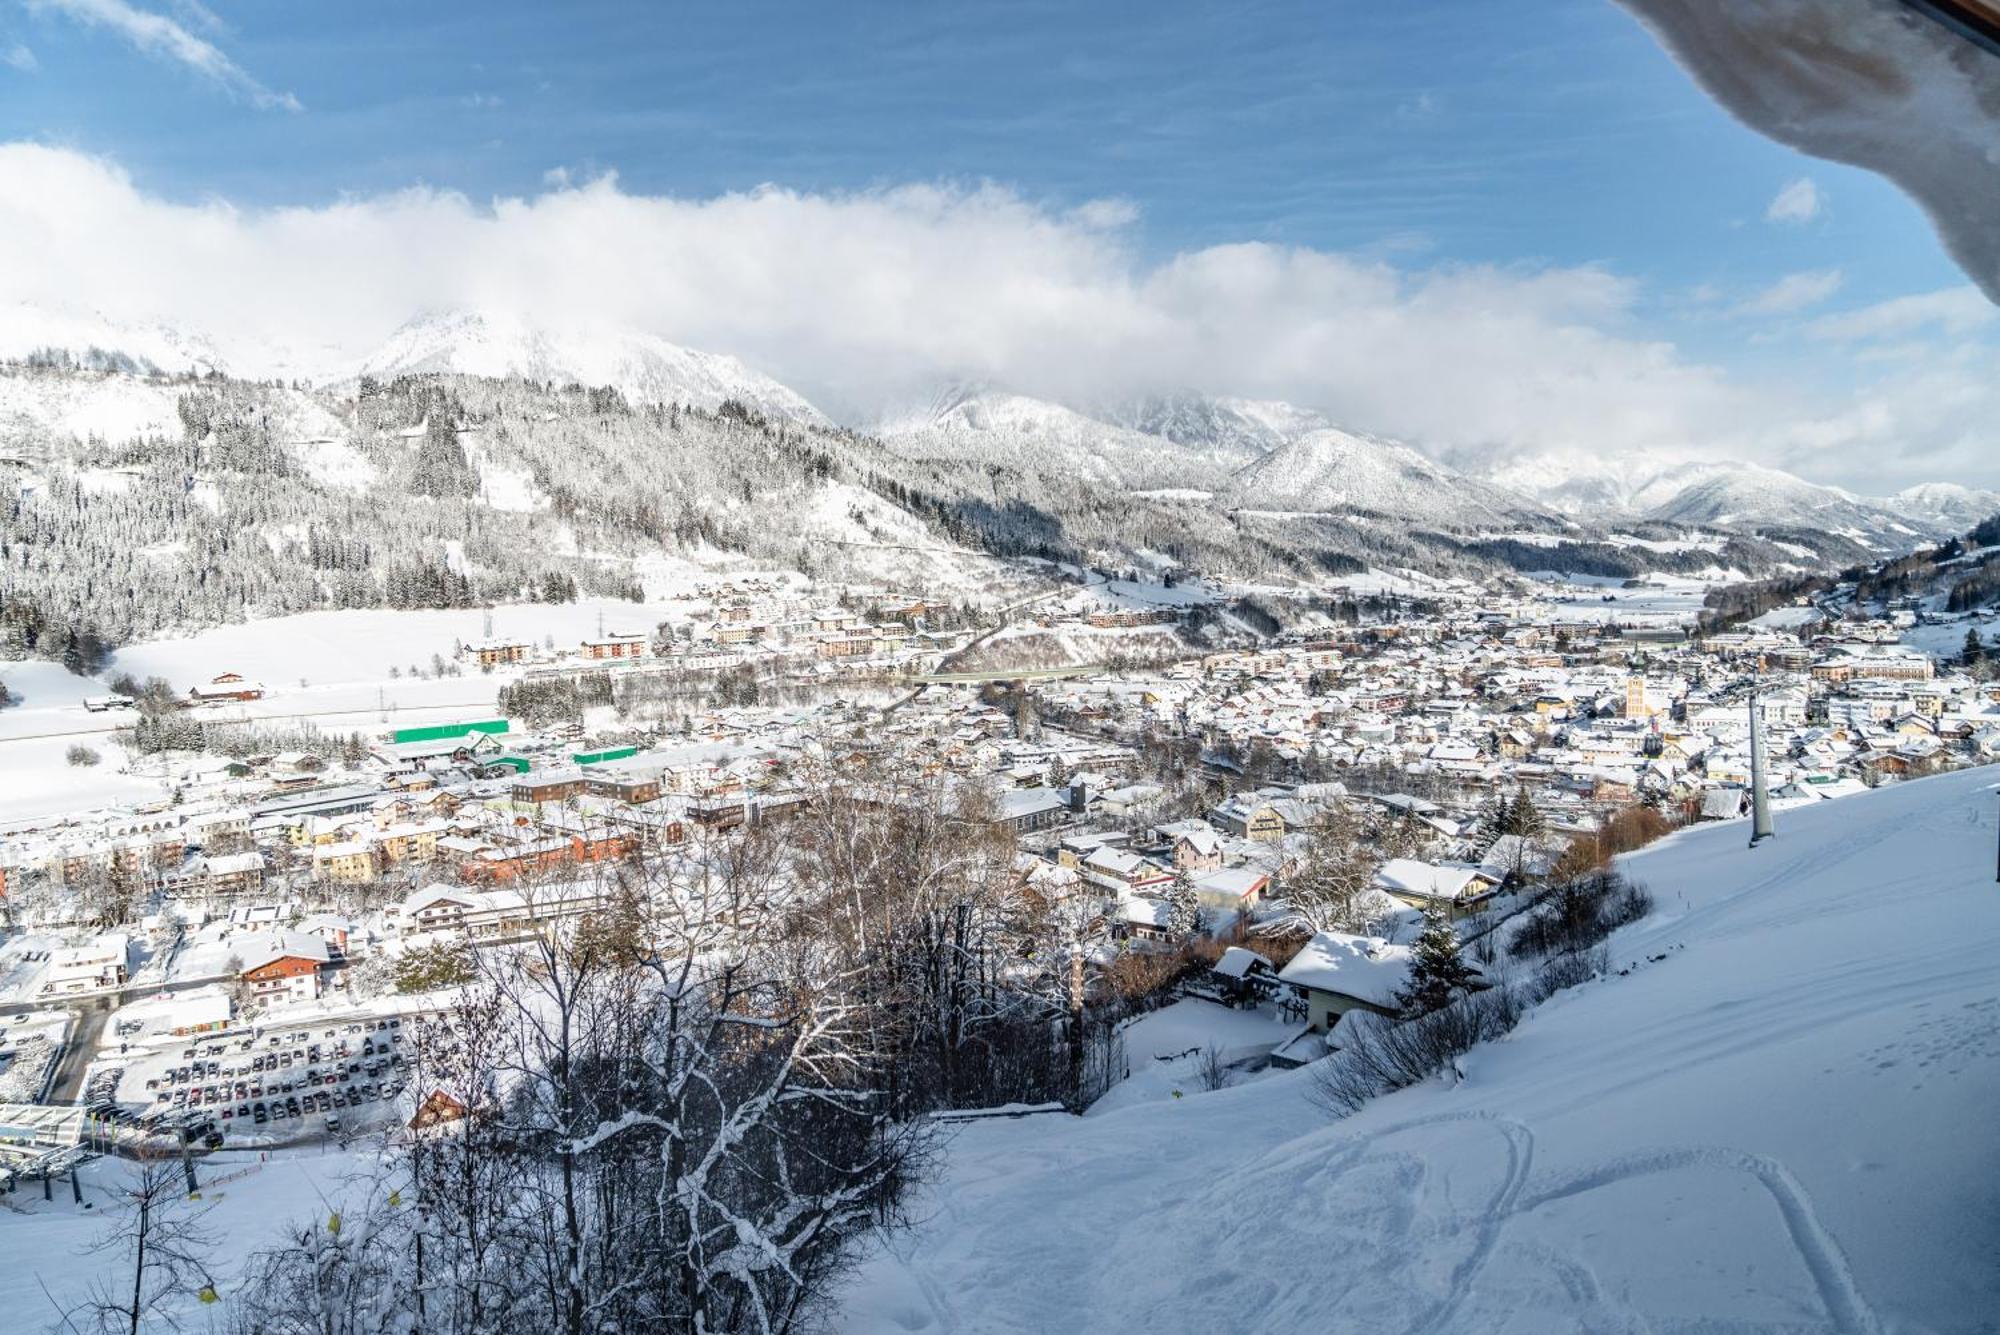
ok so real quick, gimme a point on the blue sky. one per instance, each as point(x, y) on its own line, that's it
point(1531, 135)
point(1541, 129)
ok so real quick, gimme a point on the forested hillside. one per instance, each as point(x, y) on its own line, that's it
point(136, 503)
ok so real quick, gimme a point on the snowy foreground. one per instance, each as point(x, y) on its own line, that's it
point(1786, 1124)
point(1780, 1120)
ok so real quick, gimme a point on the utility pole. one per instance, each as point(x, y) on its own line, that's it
point(1760, 799)
point(187, 1160)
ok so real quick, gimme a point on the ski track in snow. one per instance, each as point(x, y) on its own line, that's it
point(1766, 1126)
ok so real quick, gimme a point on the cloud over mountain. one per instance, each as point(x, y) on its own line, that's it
point(866, 299)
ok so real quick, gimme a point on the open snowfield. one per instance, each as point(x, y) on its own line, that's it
point(45, 1266)
point(1666, 600)
point(327, 668)
point(1785, 1125)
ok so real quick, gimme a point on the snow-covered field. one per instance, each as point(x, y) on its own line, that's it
point(1664, 600)
point(327, 668)
point(1784, 1125)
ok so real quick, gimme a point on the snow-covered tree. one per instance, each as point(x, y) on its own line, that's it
point(1437, 971)
point(1183, 907)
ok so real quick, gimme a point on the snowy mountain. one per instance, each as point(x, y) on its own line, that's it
point(1240, 429)
point(643, 367)
point(94, 342)
point(1748, 496)
point(1944, 505)
point(1738, 495)
point(993, 428)
point(1337, 471)
point(1651, 1151)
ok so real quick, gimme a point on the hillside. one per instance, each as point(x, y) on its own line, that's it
point(642, 367)
point(1015, 432)
point(1742, 497)
point(1645, 1153)
point(1332, 470)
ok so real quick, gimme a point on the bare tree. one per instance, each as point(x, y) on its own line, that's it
point(1332, 886)
point(158, 1238)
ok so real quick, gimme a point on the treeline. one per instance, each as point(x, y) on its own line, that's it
point(1727, 606)
point(541, 701)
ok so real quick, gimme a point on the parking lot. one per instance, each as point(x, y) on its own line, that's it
point(271, 1085)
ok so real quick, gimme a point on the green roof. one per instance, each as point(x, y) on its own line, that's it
point(439, 732)
point(611, 753)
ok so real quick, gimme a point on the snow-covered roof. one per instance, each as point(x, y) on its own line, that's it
point(1236, 962)
point(1366, 968)
point(1427, 880)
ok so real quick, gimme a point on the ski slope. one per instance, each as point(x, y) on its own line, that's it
point(1783, 1125)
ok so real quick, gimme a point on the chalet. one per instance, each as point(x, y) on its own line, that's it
point(1243, 976)
point(1450, 888)
point(281, 966)
point(226, 687)
point(1340, 973)
point(1121, 870)
point(1250, 817)
point(91, 967)
point(1198, 849)
point(226, 875)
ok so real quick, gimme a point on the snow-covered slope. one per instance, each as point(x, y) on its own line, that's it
point(1238, 429)
point(1945, 505)
point(969, 424)
point(1747, 495)
point(645, 368)
point(1331, 470)
point(98, 343)
point(1779, 1121)
point(1733, 493)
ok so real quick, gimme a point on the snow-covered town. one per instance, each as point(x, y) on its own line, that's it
point(1461, 741)
point(964, 669)
point(1211, 858)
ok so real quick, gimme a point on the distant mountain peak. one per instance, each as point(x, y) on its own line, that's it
point(643, 367)
point(1331, 470)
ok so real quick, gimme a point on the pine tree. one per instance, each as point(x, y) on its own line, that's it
point(1183, 908)
point(1975, 652)
point(1526, 820)
point(1437, 971)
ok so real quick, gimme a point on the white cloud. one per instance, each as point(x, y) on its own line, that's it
point(1794, 292)
point(866, 301)
point(18, 57)
point(1797, 202)
point(1951, 310)
point(159, 36)
point(1105, 215)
